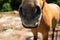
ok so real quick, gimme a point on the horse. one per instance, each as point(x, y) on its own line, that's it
point(39, 16)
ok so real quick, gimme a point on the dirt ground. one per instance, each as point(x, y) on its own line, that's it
point(11, 28)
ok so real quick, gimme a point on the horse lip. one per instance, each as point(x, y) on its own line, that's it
point(29, 26)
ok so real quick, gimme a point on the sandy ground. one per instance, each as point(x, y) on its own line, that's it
point(11, 29)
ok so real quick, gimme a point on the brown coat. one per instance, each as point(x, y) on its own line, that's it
point(50, 16)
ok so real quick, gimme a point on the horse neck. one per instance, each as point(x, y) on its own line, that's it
point(45, 7)
point(45, 14)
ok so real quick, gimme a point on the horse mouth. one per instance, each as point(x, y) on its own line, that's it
point(30, 26)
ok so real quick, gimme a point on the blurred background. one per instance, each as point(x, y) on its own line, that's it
point(9, 5)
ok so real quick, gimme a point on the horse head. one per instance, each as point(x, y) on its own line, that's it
point(30, 13)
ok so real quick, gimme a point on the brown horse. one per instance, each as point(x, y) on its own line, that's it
point(39, 14)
